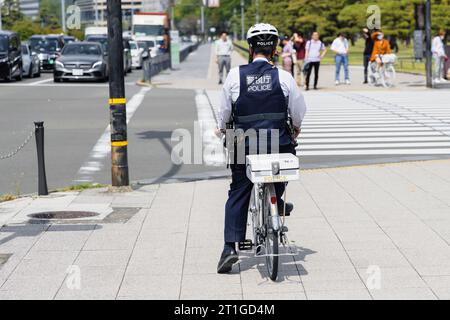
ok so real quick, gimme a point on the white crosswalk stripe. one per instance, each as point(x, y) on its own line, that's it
point(373, 123)
point(368, 123)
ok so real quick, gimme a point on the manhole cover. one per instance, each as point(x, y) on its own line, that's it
point(63, 215)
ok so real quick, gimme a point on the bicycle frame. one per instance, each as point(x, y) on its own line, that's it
point(261, 226)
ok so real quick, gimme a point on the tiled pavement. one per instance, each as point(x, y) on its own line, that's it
point(366, 232)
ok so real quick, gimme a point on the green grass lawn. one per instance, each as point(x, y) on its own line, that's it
point(405, 55)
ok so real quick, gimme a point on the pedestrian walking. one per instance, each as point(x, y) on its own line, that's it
point(340, 47)
point(315, 51)
point(286, 55)
point(300, 51)
point(439, 57)
point(368, 49)
point(224, 48)
point(393, 43)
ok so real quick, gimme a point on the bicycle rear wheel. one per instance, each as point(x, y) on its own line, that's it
point(271, 238)
point(390, 76)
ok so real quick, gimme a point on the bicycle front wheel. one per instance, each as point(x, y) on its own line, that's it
point(271, 239)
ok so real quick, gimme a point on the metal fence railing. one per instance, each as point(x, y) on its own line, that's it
point(155, 65)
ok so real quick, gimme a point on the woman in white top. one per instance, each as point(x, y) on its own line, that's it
point(315, 51)
point(439, 56)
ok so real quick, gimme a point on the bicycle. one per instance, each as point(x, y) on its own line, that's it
point(269, 230)
point(385, 74)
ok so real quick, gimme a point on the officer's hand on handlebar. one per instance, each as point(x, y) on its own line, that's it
point(296, 132)
point(219, 132)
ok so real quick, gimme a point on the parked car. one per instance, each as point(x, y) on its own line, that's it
point(31, 64)
point(69, 39)
point(81, 61)
point(10, 56)
point(127, 63)
point(139, 52)
point(48, 48)
point(103, 40)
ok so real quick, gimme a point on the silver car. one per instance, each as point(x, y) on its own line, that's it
point(30, 62)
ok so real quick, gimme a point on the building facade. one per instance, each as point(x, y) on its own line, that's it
point(93, 12)
point(29, 8)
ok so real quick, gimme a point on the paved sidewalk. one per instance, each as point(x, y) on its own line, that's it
point(368, 232)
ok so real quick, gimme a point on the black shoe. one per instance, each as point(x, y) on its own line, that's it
point(307, 88)
point(289, 208)
point(315, 88)
point(220, 81)
point(365, 82)
point(227, 259)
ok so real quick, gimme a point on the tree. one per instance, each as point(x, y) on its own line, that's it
point(10, 13)
point(328, 17)
point(50, 14)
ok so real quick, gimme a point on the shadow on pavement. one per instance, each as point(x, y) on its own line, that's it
point(162, 137)
point(289, 265)
point(34, 230)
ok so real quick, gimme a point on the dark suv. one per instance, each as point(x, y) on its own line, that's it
point(10, 56)
point(47, 47)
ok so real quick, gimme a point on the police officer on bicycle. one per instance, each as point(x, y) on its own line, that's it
point(257, 96)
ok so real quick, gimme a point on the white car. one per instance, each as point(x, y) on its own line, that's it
point(152, 47)
point(139, 52)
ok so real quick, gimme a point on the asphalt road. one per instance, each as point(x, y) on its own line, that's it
point(412, 125)
point(75, 116)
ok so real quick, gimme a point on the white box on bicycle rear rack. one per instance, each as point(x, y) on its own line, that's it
point(259, 167)
point(389, 58)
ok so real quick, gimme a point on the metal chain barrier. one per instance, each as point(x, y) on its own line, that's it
point(16, 151)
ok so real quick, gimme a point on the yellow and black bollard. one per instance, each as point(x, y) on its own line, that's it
point(117, 101)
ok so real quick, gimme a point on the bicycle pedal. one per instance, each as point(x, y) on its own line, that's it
point(284, 229)
point(246, 245)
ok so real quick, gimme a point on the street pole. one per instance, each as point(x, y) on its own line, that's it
point(1, 4)
point(257, 11)
point(96, 12)
point(63, 15)
point(117, 102)
point(428, 55)
point(202, 19)
point(242, 21)
point(172, 15)
point(234, 25)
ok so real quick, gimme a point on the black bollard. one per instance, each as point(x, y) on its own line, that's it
point(42, 179)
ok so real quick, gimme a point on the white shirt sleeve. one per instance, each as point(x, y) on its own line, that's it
point(297, 105)
point(334, 45)
point(230, 87)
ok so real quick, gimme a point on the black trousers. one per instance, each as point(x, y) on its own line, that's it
point(236, 208)
point(316, 66)
point(366, 65)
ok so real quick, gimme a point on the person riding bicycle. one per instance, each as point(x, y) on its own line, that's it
point(381, 47)
point(260, 97)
